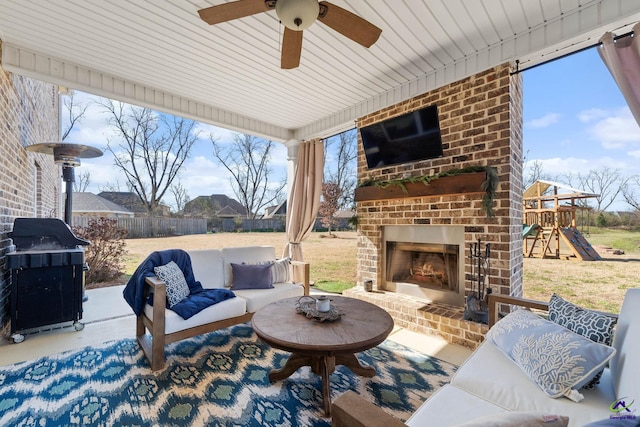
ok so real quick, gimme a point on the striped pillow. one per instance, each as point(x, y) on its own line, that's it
point(280, 270)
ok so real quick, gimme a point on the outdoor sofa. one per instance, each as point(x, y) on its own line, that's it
point(491, 389)
point(238, 296)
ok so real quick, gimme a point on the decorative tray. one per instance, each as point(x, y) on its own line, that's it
point(307, 306)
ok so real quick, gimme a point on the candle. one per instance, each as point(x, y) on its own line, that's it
point(323, 304)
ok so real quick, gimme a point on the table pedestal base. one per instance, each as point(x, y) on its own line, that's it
point(322, 365)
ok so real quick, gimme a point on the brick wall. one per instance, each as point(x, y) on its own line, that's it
point(29, 183)
point(481, 124)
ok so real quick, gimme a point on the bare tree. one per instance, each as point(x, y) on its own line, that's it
point(575, 180)
point(82, 181)
point(341, 170)
point(607, 183)
point(331, 192)
point(180, 194)
point(152, 149)
point(536, 172)
point(247, 161)
point(75, 112)
point(112, 187)
point(630, 192)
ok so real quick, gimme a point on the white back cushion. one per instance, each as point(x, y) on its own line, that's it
point(624, 365)
point(247, 255)
point(208, 267)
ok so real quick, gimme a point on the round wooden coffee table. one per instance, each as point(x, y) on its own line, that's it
point(322, 345)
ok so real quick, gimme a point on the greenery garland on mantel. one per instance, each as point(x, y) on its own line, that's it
point(489, 186)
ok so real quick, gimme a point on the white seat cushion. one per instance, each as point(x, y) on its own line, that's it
point(258, 298)
point(451, 406)
point(232, 307)
point(492, 376)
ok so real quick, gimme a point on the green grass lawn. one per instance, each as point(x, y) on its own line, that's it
point(598, 285)
point(626, 240)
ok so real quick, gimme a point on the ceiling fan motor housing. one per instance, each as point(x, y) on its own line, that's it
point(297, 15)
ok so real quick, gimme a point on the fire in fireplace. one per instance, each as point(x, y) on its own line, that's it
point(425, 261)
point(427, 265)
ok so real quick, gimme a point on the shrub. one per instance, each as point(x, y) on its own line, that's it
point(601, 220)
point(104, 254)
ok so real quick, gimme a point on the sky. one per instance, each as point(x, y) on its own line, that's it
point(575, 120)
point(201, 175)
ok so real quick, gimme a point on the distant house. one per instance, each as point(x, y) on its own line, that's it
point(346, 214)
point(277, 211)
point(343, 218)
point(132, 201)
point(89, 204)
point(216, 205)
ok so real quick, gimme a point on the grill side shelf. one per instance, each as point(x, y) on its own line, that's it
point(39, 259)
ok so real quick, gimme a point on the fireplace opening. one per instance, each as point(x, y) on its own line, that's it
point(426, 265)
point(425, 261)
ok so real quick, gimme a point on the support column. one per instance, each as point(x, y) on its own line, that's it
point(292, 158)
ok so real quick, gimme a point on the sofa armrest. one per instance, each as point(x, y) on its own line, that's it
point(159, 289)
point(154, 348)
point(351, 410)
point(494, 299)
point(301, 274)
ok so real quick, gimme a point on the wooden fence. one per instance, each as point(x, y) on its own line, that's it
point(141, 227)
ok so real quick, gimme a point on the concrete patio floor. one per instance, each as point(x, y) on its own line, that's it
point(107, 316)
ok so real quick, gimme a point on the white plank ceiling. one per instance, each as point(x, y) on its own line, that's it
point(159, 53)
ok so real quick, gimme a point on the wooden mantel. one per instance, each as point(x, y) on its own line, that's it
point(468, 183)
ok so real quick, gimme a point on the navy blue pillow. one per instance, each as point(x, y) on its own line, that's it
point(251, 276)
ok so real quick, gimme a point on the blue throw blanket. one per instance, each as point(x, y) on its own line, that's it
point(198, 299)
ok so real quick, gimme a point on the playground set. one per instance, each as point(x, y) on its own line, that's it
point(549, 223)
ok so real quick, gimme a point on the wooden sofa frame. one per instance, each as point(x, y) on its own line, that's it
point(153, 344)
point(351, 410)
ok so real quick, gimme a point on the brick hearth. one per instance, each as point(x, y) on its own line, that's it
point(481, 125)
point(436, 319)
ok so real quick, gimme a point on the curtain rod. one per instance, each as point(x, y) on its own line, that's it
point(518, 70)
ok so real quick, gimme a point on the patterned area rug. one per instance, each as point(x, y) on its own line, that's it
point(217, 379)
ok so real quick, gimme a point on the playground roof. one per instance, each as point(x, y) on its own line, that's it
point(539, 189)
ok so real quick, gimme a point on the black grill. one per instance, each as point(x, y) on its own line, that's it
point(46, 274)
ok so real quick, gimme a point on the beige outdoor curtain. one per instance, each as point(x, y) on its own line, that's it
point(622, 57)
point(304, 199)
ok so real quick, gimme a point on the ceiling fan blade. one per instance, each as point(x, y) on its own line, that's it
point(291, 49)
point(233, 10)
point(348, 24)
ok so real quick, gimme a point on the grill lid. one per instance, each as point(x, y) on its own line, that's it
point(43, 234)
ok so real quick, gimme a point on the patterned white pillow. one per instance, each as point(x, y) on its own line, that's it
point(280, 270)
point(558, 360)
point(595, 326)
point(172, 276)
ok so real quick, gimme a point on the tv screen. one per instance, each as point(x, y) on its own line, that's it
point(407, 138)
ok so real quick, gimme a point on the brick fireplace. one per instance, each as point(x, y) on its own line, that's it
point(424, 261)
point(422, 281)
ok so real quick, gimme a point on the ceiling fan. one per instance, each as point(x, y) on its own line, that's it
point(296, 16)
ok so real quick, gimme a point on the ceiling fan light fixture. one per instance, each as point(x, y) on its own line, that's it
point(297, 15)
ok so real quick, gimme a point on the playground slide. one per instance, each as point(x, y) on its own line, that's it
point(529, 230)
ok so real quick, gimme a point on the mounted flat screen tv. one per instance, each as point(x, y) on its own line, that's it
point(407, 138)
